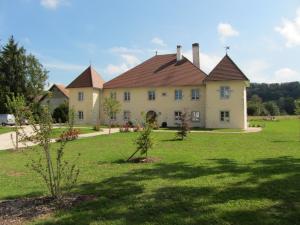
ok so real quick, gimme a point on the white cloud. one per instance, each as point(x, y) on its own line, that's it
point(207, 61)
point(116, 69)
point(57, 65)
point(124, 50)
point(286, 75)
point(257, 71)
point(131, 60)
point(225, 30)
point(53, 4)
point(290, 30)
point(158, 41)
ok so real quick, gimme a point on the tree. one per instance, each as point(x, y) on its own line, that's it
point(144, 141)
point(184, 126)
point(255, 106)
point(60, 114)
point(17, 107)
point(19, 74)
point(111, 107)
point(58, 174)
point(297, 107)
point(272, 108)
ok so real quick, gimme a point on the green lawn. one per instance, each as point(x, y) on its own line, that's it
point(5, 129)
point(56, 132)
point(210, 179)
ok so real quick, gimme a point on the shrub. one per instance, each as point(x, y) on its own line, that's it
point(69, 135)
point(184, 126)
point(60, 114)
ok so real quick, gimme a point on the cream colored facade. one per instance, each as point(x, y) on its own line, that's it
point(54, 100)
point(210, 104)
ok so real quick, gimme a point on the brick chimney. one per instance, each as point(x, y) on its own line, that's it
point(196, 56)
point(179, 53)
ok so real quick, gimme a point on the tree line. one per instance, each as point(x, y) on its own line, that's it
point(274, 99)
point(20, 74)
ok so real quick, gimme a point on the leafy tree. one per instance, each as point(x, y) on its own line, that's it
point(272, 108)
point(255, 106)
point(297, 107)
point(184, 126)
point(17, 107)
point(58, 174)
point(144, 141)
point(111, 106)
point(19, 74)
point(60, 114)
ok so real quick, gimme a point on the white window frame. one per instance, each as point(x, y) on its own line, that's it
point(113, 116)
point(151, 95)
point(225, 92)
point(80, 115)
point(177, 115)
point(178, 94)
point(126, 115)
point(80, 96)
point(195, 116)
point(127, 96)
point(113, 95)
point(223, 117)
point(195, 94)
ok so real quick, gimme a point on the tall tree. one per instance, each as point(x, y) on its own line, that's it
point(20, 74)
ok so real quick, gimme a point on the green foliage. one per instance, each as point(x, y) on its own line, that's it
point(184, 126)
point(60, 114)
point(272, 108)
point(20, 74)
point(111, 106)
point(144, 141)
point(255, 106)
point(297, 107)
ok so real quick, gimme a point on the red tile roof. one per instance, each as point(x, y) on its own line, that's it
point(160, 70)
point(226, 69)
point(59, 87)
point(88, 78)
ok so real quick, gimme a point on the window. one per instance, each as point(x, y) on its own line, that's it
point(126, 115)
point(113, 95)
point(177, 115)
point(195, 116)
point(224, 92)
point(195, 94)
point(126, 96)
point(178, 94)
point(151, 95)
point(113, 115)
point(80, 96)
point(224, 116)
point(80, 115)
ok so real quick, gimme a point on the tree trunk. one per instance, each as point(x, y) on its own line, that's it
point(132, 155)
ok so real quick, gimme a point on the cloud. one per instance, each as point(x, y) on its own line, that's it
point(207, 61)
point(158, 41)
point(53, 4)
point(286, 75)
point(290, 30)
point(124, 50)
point(225, 31)
point(69, 67)
point(129, 61)
point(257, 71)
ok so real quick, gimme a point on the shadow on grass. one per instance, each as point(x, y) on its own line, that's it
point(125, 199)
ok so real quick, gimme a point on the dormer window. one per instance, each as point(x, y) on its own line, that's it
point(225, 92)
point(80, 96)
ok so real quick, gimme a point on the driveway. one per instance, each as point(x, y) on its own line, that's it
point(7, 140)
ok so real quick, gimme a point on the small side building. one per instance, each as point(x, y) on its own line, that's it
point(56, 95)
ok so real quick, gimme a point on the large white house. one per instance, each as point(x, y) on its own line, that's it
point(163, 87)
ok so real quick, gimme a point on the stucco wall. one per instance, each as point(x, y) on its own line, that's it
point(236, 105)
point(54, 100)
point(164, 106)
point(89, 106)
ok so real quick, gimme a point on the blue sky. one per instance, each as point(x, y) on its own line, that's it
point(115, 35)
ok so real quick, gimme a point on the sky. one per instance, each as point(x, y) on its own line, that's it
point(116, 35)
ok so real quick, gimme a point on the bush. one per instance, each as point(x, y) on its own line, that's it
point(69, 135)
point(125, 128)
point(60, 114)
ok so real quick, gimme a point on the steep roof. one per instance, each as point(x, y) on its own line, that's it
point(226, 69)
point(60, 87)
point(88, 78)
point(160, 70)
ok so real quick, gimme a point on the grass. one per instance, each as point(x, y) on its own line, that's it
point(208, 179)
point(204, 129)
point(56, 132)
point(5, 129)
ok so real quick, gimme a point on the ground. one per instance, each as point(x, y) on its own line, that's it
point(210, 178)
